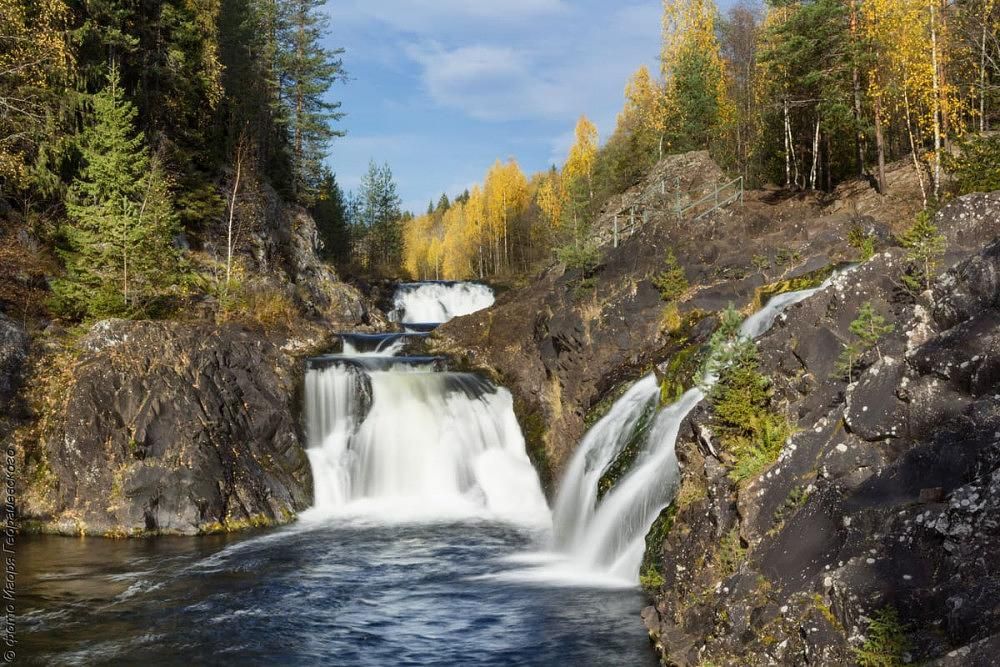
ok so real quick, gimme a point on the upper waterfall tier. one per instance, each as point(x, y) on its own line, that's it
point(438, 302)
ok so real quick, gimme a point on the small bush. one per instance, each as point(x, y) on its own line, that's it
point(583, 257)
point(731, 553)
point(672, 282)
point(869, 327)
point(861, 241)
point(886, 643)
point(263, 306)
point(751, 434)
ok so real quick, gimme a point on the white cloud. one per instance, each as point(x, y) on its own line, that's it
point(492, 82)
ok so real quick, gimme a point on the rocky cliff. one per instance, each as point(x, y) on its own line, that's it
point(568, 341)
point(876, 529)
point(183, 426)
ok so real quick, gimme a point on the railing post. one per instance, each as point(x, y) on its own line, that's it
point(645, 216)
point(616, 230)
point(677, 195)
point(631, 219)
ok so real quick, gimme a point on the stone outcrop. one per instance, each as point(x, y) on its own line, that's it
point(14, 346)
point(571, 337)
point(171, 428)
point(885, 499)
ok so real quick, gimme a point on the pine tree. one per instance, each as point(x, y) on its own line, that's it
point(925, 246)
point(119, 236)
point(869, 327)
point(307, 71)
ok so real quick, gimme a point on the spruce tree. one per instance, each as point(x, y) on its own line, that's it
point(118, 238)
point(925, 246)
point(332, 224)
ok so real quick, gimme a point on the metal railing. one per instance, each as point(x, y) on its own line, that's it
point(723, 195)
point(736, 186)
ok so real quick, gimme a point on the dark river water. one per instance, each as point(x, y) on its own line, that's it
point(320, 593)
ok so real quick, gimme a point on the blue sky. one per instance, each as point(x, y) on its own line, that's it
point(441, 88)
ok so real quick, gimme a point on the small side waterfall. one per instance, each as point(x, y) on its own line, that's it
point(609, 536)
point(392, 435)
point(438, 302)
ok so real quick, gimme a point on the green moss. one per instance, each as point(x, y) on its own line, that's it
point(651, 581)
point(809, 280)
point(824, 609)
point(681, 373)
point(236, 525)
point(622, 463)
point(534, 428)
point(652, 557)
point(603, 406)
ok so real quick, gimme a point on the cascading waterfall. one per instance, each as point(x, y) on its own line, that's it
point(439, 302)
point(393, 435)
point(609, 536)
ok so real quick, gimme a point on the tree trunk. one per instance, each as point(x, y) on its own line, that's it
point(879, 145)
point(935, 82)
point(859, 137)
point(788, 148)
point(913, 147)
point(982, 80)
point(232, 210)
point(815, 165)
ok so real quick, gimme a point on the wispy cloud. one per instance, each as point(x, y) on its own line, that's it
point(481, 79)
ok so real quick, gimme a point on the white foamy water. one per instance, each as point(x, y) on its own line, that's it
point(439, 302)
point(411, 444)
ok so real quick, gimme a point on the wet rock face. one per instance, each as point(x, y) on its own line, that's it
point(173, 428)
point(886, 498)
point(13, 357)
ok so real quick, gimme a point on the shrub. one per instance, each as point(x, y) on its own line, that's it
point(671, 282)
point(731, 552)
point(886, 643)
point(751, 434)
point(579, 257)
point(862, 241)
point(263, 306)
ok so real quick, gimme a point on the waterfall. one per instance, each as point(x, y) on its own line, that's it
point(608, 536)
point(391, 435)
point(438, 302)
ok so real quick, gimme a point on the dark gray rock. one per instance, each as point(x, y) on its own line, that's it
point(174, 428)
point(893, 506)
point(14, 346)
